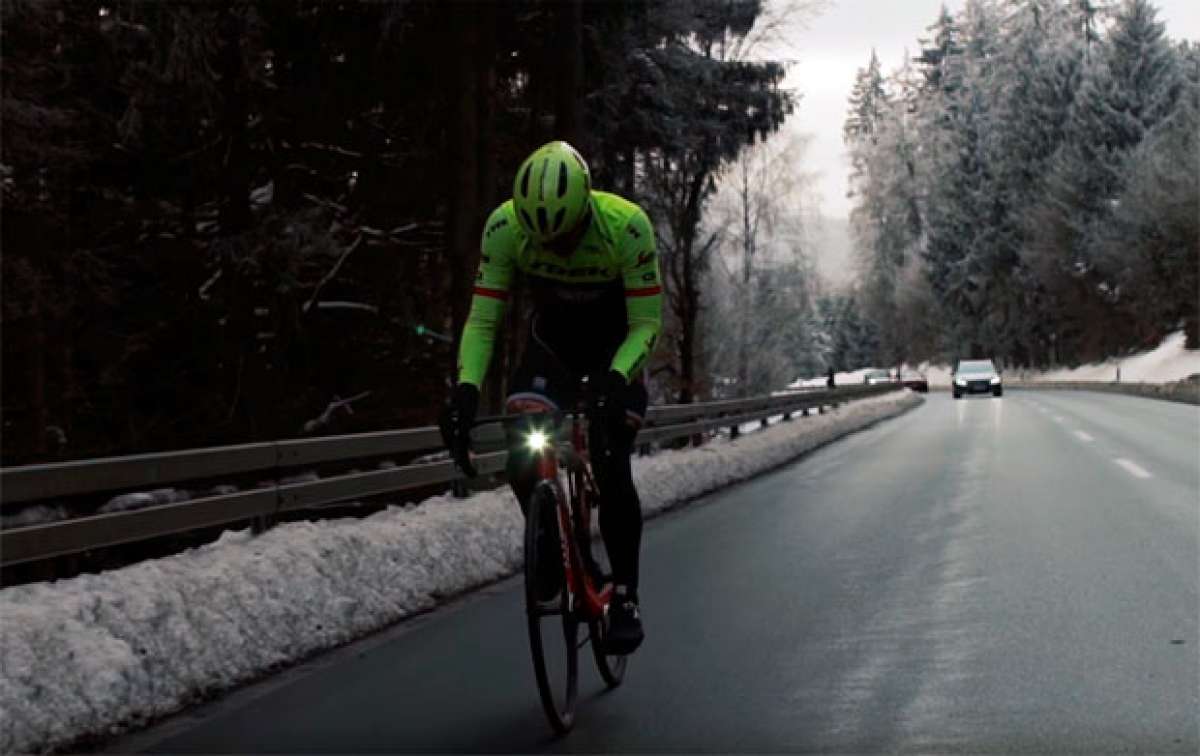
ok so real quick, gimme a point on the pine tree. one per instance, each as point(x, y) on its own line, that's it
point(868, 101)
point(937, 52)
point(1128, 85)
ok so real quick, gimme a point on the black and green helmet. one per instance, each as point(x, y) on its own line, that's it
point(551, 191)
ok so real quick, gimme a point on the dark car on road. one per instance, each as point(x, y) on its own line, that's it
point(914, 380)
point(976, 377)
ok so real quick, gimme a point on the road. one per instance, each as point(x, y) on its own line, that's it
point(980, 575)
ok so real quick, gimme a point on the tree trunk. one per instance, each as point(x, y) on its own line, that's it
point(463, 212)
point(485, 82)
point(743, 375)
point(687, 357)
point(630, 184)
point(235, 209)
point(1191, 329)
point(38, 412)
point(690, 290)
point(568, 100)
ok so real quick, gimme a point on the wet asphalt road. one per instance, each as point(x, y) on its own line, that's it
point(984, 575)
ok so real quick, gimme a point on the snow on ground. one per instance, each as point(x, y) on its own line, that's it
point(848, 378)
point(1167, 363)
point(95, 654)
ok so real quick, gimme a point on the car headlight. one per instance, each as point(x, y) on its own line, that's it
point(537, 441)
point(995, 379)
point(960, 382)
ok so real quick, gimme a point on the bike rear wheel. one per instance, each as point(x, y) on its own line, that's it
point(553, 628)
point(611, 666)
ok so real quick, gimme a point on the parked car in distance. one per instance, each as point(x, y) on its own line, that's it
point(877, 376)
point(914, 380)
point(976, 377)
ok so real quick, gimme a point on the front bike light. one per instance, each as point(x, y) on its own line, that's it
point(537, 441)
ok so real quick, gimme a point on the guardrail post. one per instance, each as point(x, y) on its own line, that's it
point(765, 422)
point(265, 522)
point(734, 432)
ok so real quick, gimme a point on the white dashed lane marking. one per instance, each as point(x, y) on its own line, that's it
point(1132, 468)
point(1084, 437)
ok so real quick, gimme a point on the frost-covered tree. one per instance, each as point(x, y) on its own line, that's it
point(762, 208)
point(961, 250)
point(868, 105)
point(886, 219)
point(1151, 246)
point(939, 50)
point(1129, 84)
point(1046, 164)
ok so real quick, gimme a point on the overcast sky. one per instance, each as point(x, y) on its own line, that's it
point(838, 42)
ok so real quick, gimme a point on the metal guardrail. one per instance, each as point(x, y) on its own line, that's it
point(1185, 391)
point(23, 485)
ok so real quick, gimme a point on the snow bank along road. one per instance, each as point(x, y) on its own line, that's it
point(86, 655)
point(1008, 575)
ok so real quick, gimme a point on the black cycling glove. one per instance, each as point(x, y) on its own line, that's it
point(455, 422)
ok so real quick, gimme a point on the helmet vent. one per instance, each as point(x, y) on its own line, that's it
point(528, 221)
point(543, 224)
point(558, 219)
point(562, 179)
point(525, 181)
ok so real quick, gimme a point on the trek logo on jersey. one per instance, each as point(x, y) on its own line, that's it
point(549, 268)
point(633, 231)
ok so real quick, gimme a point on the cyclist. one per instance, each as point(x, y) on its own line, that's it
point(588, 260)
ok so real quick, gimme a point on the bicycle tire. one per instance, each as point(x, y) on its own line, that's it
point(561, 715)
point(611, 666)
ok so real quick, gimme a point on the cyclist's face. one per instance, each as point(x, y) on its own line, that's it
point(564, 245)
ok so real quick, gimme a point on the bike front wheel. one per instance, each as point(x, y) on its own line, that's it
point(553, 628)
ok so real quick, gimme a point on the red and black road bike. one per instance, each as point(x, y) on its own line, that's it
point(561, 510)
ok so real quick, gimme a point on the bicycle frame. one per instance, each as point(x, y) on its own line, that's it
point(575, 517)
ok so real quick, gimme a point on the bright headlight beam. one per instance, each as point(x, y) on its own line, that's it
point(536, 441)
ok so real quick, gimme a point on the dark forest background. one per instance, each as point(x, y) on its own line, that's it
point(227, 222)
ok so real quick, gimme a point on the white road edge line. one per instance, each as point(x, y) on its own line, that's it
point(1084, 437)
point(1132, 468)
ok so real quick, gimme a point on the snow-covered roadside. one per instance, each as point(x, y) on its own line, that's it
point(98, 653)
point(1170, 361)
point(1167, 362)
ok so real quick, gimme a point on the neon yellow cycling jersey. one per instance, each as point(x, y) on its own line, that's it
point(605, 296)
